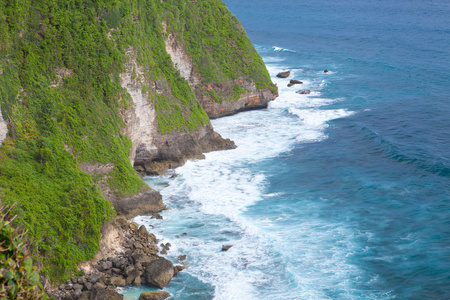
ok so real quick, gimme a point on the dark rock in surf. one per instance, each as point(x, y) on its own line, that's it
point(303, 92)
point(226, 247)
point(284, 74)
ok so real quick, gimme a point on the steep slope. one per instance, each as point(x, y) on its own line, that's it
point(87, 91)
point(210, 48)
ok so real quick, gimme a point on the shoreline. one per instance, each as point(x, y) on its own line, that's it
point(129, 256)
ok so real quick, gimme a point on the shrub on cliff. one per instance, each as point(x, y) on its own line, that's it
point(18, 277)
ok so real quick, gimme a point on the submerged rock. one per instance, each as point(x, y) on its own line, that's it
point(226, 247)
point(303, 92)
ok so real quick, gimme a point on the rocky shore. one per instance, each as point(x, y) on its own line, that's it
point(128, 257)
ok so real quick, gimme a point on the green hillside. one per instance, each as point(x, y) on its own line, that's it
point(60, 93)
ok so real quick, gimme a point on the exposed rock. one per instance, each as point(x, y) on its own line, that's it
point(88, 286)
point(137, 281)
point(303, 92)
point(77, 286)
point(295, 81)
point(143, 230)
point(251, 99)
point(159, 272)
point(141, 258)
point(3, 128)
point(226, 247)
point(181, 60)
point(141, 117)
point(156, 216)
point(94, 278)
point(153, 153)
point(284, 74)
point(116, 281)
point(99, 293)
point(132, 276)
point(178, 269)
point(104, 265)
point(144, 203)
point(325, 71)
point(85, 296)
point(174, 149)
point(160, 295)
point(77, 293)
point(181, 257)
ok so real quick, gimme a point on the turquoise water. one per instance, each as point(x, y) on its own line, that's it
point(340, 194)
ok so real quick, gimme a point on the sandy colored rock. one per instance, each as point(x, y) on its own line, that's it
point(159, 272)
point(160, 295)
point(144, 203)
point(3, 128)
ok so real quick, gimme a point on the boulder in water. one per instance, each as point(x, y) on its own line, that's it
point(159, 272)
point(303, 92)
point(226, 247)
point(160, 295)
point(284, 74)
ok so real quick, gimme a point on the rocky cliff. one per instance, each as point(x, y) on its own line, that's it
point(91, 93)
point(3, 128)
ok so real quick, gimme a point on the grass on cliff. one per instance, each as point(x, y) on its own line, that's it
point(217, 43)
point(60, 93)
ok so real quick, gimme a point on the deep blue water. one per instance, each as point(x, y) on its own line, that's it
point(340, 194)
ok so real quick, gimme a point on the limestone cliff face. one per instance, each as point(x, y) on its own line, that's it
point(153, 153)
point(141, 117)
point(252, 98)
point(3, 128)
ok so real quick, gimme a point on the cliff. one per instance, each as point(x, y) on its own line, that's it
point(92, 93)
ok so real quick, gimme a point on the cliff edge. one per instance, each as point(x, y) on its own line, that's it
point(93, 93)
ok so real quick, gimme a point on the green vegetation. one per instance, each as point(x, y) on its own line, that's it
point(18, 277)
point(60, 93)
point(217, 43)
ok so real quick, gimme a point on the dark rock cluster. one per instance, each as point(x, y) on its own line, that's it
point(140, 264)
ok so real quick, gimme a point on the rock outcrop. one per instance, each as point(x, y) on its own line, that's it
point(251, 98)
point(146, 203)
point(284, 74)
point(159, 295)
point(3, 128)
point(173, 150)
point(128, 256)
point(159, 272)
point(154, 153)
point(303, 92)
point(294, 82)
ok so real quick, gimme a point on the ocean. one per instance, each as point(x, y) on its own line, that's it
point(343, 193)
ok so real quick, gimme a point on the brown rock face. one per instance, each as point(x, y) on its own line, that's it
point(99, 293)
point(284, 74)
point(251, 99)
point(174, 149)
point(159, 272)
point(145, 203)
point(154, 295)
